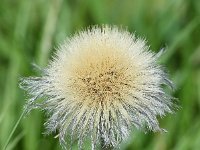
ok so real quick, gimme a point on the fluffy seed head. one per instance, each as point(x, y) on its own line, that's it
point(100, 83)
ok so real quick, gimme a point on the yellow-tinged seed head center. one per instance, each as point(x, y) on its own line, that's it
point(101, 76)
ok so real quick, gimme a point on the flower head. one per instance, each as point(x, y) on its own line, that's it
point(100, 83)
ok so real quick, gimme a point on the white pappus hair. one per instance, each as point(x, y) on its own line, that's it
point(100, 83)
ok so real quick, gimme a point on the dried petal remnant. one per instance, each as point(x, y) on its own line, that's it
point(100, 83)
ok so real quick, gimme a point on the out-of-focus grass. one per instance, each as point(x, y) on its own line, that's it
point(29, 31)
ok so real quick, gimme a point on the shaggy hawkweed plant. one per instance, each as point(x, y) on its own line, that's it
point(100, 83)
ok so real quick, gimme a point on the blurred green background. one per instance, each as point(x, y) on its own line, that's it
point(31, 29)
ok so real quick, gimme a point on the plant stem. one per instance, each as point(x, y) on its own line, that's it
point(13, 130)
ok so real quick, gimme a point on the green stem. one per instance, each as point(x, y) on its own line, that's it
point(13, 130)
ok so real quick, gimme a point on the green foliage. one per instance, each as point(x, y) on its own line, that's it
point(31, 29)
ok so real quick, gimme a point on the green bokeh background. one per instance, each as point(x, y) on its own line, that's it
point(31, 29)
